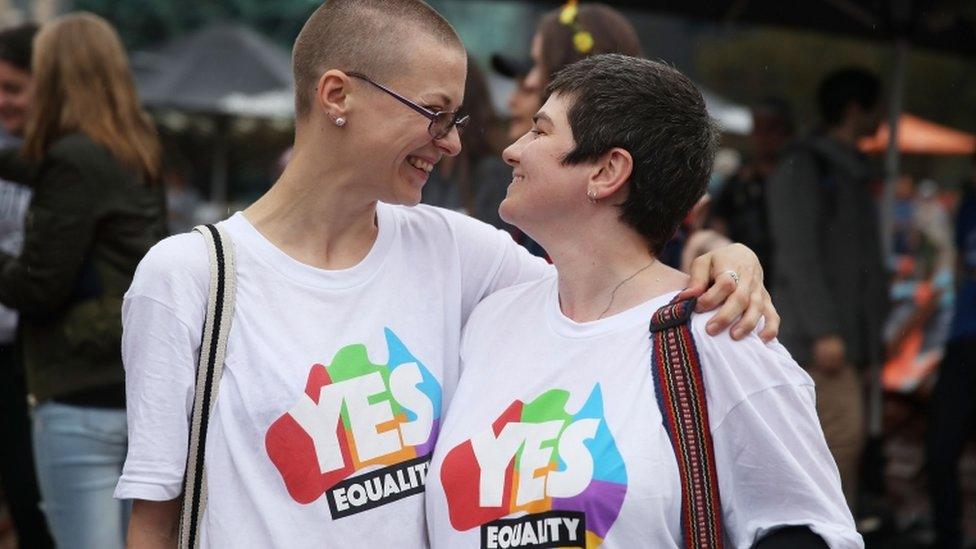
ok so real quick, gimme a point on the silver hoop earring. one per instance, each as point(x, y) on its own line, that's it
point(340, 121)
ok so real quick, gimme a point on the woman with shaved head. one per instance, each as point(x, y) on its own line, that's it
point(349, 302)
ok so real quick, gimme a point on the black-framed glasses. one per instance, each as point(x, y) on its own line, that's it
point(440, 122)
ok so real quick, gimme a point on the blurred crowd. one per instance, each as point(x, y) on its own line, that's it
point(860, 320)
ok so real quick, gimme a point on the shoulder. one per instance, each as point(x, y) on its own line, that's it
point(512, 301)
point(75, 148)
point(443, 226)
point(175, 272)
point(429, 216)
point(735, 370)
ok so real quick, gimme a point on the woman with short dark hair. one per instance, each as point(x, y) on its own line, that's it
point(562, 428)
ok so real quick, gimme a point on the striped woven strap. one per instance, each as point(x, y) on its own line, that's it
point(680, 392)
point(213, 347)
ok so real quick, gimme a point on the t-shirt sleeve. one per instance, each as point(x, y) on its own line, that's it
point(491, 261)
point(162, 318)
point(773, 464)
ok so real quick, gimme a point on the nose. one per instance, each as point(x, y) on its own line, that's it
point(450, 144)
point(513, 153)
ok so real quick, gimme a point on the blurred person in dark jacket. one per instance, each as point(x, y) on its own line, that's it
point(953, 409)
point(739, 210)
point(831, 283)
point(17, 475)
point(95, 211)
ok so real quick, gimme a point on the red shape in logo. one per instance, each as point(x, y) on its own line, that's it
point(292, 451)
point(461, 476)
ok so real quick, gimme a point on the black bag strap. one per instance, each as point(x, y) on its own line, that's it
point(680, 391)
point(213, 348)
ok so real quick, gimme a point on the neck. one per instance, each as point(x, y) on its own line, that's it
point(314, 213)
point(595, 271)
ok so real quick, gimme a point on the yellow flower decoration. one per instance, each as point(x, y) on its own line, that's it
point(583, 41)
point(568, 14)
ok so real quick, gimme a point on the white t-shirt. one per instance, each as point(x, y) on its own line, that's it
point(555, 437)
point(333, 384)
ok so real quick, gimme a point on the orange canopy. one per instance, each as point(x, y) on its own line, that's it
point(917, 136)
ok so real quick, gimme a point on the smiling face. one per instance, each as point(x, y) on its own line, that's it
point(543, 189)
point(394, 148)
point(15, 98)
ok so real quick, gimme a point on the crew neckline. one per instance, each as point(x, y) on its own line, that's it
point(247, 235)
point(564, 326)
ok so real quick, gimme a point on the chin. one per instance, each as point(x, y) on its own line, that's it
point(406, 196)
point(508, 210)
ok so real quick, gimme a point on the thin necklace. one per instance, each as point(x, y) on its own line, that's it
point(613, 293)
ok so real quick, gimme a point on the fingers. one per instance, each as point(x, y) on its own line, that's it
point(723, 288)
point(736, 301)
point(750, 319)
point(700, 274)
point(771, 329)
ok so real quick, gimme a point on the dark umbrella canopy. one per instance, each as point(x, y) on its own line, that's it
point(201, 71)
point(946, 25)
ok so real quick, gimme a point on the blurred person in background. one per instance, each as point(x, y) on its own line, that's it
point(97, 208)
point(952, 416)
point(831, 281)
point(17, 475)
point(474, 181)
point(524, 101)
point(739, 210)
point(701, 239)
point(182, 197)
point(903, 215)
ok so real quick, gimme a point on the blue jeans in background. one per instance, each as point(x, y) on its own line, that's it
point(79, 452)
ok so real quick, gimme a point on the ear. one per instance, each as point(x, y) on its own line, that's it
point(610, 174)
point(331, 94)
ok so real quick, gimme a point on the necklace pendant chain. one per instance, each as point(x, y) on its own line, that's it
point(613, 293)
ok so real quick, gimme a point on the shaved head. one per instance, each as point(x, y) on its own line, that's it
point(362, 35)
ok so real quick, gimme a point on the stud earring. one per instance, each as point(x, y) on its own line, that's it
point(591, 196)
point(340, 121)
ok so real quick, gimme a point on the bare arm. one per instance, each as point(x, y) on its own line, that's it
point(154, 524)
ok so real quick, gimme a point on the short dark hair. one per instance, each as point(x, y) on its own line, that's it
point(657, 115)
point(17, 45)
point(845, 86)
point(362, 35)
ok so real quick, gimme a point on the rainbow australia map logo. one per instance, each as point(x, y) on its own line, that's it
point(355, 415)
point(539, 476)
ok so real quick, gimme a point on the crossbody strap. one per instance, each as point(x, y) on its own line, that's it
point(213, 347)
point(680, 391)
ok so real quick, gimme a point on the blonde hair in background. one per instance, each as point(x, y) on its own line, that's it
point(82, 83)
